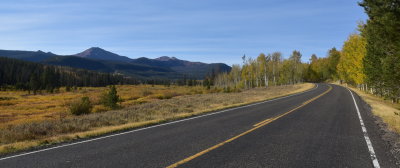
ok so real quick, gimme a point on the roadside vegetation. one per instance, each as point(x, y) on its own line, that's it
point(369, 60)
point(264, 71)
point(83, 106)
point(162, 104)
point(389, 112)
point(18, 107)
point(42, 104)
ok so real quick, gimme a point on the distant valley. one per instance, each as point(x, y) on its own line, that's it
point(98, 59)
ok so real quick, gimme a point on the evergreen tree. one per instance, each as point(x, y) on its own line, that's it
point(34, 84)
point(382, 34)
point(111, 98)
point(24, 75)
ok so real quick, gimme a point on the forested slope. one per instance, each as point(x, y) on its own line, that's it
point(24, 75)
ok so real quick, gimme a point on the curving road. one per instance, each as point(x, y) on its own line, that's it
point(318, 128)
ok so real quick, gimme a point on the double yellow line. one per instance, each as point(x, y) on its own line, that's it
point(256, 126)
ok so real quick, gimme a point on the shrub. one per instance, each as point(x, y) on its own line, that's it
point(141, 101)
point(169, 95)
point(158, 96)
point(81, 107)
point(100, 108)
point(110, 98)
point(146, 92)
point(7, 98)
point(196, 91)
point(165, 95)
point(227, 89)
point(68, 88)
point(133, 98)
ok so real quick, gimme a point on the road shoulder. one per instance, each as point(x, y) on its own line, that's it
point(385, 140)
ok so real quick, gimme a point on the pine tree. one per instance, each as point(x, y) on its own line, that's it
point(34, 84)
point(111, 98)
point(382, 34)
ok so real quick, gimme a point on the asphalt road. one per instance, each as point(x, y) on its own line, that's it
point(317, 128)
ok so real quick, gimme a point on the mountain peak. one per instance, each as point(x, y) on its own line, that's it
point(164, 67)
point(96, 48)
point(92, 50)
point(166, 58)
point(99, 53)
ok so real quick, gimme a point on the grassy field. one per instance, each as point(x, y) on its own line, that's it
point(18, 107)
point(387, 111)
point(35, 119)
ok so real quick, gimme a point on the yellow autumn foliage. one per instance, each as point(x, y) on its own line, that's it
point(350, 66)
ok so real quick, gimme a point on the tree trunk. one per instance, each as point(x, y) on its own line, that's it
point(266, 80)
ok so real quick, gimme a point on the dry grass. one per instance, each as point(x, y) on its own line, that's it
point(387, 111)
point(162, 104)
point(17, 107)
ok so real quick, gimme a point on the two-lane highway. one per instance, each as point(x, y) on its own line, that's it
point(318, 128)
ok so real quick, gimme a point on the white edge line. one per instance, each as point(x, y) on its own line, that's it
point(154, 126)
point(366, 137)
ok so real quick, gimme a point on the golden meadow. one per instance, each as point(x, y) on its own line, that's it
point(33, 120)
point(18, 107)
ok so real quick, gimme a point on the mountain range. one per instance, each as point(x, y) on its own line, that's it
point(98, 59)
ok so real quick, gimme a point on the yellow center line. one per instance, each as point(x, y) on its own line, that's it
point(256, 126)
point(262, 122)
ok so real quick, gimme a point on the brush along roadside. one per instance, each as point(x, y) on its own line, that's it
point(29, 135)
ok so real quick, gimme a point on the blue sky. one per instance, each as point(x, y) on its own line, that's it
point(196, 30)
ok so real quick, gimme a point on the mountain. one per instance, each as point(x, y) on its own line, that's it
point(192, 69)
point(78, 62)
point(98, 59)
point(101, 54)
point(33, 56)
point(166, 58)
point(128, 69)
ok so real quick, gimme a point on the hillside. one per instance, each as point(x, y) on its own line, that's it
point(100, 60)
point(100, 54)
point(24, 75)
point(34, 56)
